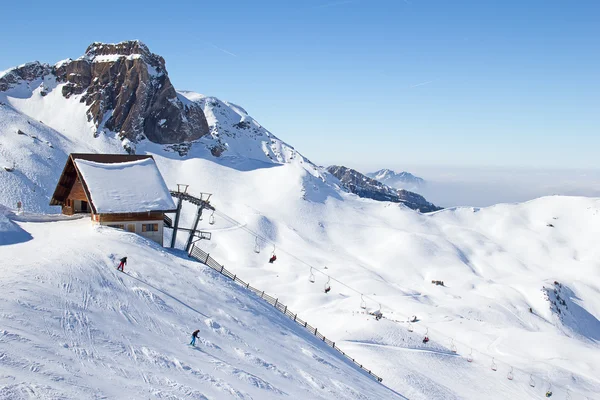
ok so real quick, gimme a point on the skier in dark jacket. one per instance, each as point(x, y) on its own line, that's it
point(194, 337)
point(122, 264)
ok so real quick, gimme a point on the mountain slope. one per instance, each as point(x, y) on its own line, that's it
point(364, 186)
point(73, 327)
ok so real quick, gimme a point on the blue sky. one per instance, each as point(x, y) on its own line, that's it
point(370, 84)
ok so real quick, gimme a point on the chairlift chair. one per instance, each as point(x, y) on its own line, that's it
point(363, 304)
point(311, 277)
point(510, 375)
point(257, 246)
point(273, 256)
point(531, 381)
point(452, 346)
point(211, 219)
point(470, 356)
point(426, 338)
point(410, 327)
point(494, 366)
point(327, 287)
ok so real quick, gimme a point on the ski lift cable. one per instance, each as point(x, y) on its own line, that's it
point(280, 250)
point(363, 297)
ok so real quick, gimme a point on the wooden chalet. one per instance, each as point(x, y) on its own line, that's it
point(117, 190)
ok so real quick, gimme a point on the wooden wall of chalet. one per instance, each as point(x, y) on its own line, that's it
point(76, 193)
point(106, 218)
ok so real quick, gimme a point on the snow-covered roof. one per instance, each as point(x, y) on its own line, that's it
point(128, 187)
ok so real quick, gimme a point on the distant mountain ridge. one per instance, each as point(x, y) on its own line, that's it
point(363, 186)
point(397, 180)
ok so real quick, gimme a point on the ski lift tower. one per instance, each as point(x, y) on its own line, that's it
point(202, 203)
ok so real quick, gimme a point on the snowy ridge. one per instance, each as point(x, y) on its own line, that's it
point(234, 133)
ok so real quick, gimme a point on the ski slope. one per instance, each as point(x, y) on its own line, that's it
point(73, 327)
point(496, 262)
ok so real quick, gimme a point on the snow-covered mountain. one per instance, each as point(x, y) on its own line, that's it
point(364, 186)
point(69, 326)
point(400, 180)
point(116, 98)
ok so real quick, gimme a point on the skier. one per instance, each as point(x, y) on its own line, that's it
point(549, 393)
point(273, 258)
point(122, 264)
point(194, 337)
point(425, 339)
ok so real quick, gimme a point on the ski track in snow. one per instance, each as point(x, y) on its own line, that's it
point(74, 327)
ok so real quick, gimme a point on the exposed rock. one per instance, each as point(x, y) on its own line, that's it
point(127, 90)
point(26, 72)
point(363, 186)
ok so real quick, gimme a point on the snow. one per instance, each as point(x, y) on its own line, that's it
point(105, 58)
point(496, 263)
point(72, 327)
point(62, 62)
point(129, 187)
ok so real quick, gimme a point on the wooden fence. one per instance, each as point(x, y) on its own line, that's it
point(206, 259)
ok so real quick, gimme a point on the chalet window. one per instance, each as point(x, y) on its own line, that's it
point(84, 206)
point(118, 226)
point(149, 227)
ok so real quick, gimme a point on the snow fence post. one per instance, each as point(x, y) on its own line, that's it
point(295, 315)
point(247, 285)
point(275, 305)
point(315, 331)
point(285, 309)
point(206, 261)
point(262, 294)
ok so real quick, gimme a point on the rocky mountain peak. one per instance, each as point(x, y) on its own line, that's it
point(131, 49)
point(127, 90)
